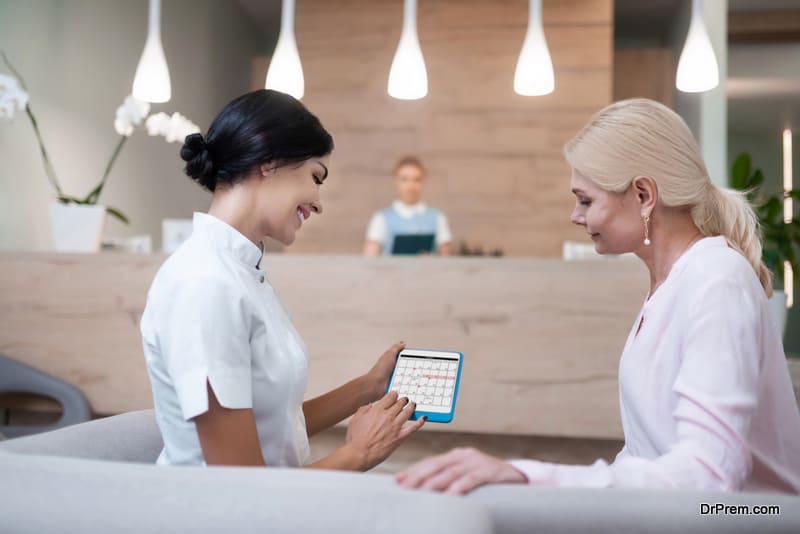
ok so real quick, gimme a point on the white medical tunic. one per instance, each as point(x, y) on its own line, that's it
point(213, 317)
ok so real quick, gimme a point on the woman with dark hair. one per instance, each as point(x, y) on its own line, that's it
point(227, 368)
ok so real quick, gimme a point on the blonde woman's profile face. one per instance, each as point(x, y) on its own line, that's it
point(612, 220)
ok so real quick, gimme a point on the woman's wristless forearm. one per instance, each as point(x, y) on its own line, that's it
point(373, 388)
point(348, 457)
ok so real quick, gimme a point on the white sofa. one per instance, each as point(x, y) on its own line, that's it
point(93, 477)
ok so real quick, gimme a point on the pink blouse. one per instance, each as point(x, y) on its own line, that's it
point(705, 394)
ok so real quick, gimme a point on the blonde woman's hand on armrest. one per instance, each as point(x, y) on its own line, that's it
point(458, 472)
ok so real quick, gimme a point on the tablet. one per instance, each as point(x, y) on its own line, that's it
point(430, 378)
point(413, 244)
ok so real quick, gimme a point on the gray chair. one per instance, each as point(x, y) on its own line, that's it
point(16, 377)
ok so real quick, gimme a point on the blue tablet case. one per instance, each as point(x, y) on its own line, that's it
point(436, 417)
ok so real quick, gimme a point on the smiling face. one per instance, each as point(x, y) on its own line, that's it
point(613, 220)
point(288, 195)
point(409, 180)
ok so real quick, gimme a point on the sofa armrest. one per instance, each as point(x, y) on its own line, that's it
point(54, 495)
point(517, 509)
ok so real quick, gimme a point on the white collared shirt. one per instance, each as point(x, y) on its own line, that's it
point(377, 231)
point(705, 394)
point(213, 317)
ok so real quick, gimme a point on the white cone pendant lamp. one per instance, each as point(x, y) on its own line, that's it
point(151, 83)
point(697, 67)
point(534, 73)
point(408, 79)
point(285, 72)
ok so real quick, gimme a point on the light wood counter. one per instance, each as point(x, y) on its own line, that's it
point(541, 337)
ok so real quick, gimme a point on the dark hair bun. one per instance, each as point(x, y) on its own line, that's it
point(253, 129)
point(199, 166)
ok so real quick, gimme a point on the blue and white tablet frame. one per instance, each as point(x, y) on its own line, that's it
point(434, 417)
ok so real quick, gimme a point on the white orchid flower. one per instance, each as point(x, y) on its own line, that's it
point(12, 97)
point(156, 123)
point(6, 110)
point(130, 114)
point(7, 82)
point(174, 128)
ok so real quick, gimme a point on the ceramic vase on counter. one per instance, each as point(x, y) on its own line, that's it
point(77, 227)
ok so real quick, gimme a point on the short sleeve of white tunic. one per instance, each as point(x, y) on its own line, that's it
point(204, 336)
point(212, 317)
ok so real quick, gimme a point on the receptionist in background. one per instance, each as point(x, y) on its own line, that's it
point(408, 226)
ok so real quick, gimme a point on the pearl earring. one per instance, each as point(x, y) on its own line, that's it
point(646, 229)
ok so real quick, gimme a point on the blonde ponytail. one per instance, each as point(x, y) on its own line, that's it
point(640, 137)
point(728, 213)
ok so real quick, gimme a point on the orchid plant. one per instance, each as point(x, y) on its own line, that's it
point(131, 114)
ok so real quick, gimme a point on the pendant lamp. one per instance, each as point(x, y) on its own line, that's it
point(285, 72)
point(697, 67)
point(151, 83)
point(534, 73)
point(408, 79)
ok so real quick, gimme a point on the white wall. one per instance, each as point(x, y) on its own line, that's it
point(78, 58)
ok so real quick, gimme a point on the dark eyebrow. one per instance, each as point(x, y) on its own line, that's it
point(578, 192)
point(326, 170)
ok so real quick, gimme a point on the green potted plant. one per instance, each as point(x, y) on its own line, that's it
point(780, 239)
point(77, 222)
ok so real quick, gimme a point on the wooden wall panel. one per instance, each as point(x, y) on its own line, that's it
point(494, 157)
point(541, 337)
point(645, 73)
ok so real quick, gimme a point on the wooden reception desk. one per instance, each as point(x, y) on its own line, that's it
point(541, 337)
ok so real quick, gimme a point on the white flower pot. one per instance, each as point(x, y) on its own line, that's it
point(777, 304)
point(77, 228)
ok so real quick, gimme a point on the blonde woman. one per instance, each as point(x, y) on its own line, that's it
point(705, 395)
